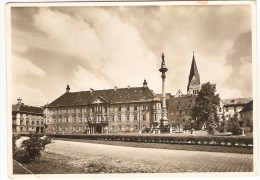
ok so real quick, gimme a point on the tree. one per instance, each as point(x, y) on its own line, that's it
point(234, 126)
point(206, 105)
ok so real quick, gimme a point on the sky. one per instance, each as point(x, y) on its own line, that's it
point(102, 47)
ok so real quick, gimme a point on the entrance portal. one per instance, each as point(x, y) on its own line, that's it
point(99, 129)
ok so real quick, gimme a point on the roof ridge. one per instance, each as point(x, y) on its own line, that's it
point(109, 89)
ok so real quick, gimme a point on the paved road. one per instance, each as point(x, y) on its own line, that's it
point(152, 160)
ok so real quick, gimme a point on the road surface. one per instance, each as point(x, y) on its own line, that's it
point(132, 159)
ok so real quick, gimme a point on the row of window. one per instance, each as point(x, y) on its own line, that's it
point(127, 127)
point(27, 129)
point(24, 116)
point(127, 118)
point(32, 122)
point(184, 112)
point(100, 109)
point(234, 108)
point(98, 118)
point(195, 91)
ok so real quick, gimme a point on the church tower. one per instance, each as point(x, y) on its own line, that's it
point(194, 79)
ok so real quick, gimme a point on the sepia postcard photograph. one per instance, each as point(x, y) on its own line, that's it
point(160, 88)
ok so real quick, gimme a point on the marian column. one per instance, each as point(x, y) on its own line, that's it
point(164, 121)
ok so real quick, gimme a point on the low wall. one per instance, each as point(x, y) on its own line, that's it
point(240, 141)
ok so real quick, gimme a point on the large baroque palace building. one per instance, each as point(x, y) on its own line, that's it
point(103, 111)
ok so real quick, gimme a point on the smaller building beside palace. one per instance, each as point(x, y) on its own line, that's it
point(246, 115)
point(232, 106)
point(26, 119)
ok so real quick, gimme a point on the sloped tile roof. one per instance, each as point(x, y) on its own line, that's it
point(185, 102)
point(237, 101)
point(121, 95)
point(27, 109)
point(248, 107)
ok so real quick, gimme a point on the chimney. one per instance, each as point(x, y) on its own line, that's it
point(19, 101)
point(115, 88)
point(68, 89)
point(91, 90)
point(128, 87)
point(145, 84)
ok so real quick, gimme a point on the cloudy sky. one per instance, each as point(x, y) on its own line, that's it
point(102, 47)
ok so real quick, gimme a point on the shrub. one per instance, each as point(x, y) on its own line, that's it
point(201, 140)
point(32, 148)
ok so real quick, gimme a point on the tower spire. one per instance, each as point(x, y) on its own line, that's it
point(194, 78)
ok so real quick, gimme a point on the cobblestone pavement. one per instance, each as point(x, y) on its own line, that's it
point(131, 159)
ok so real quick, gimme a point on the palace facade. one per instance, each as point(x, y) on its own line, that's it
point(115, 110)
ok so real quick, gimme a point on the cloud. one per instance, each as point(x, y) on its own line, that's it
point(22, 66)
point(83, 80)
point(32, 96)
point(228, 93)
point(19, 48)
point(113, 50)
point(239, 57)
